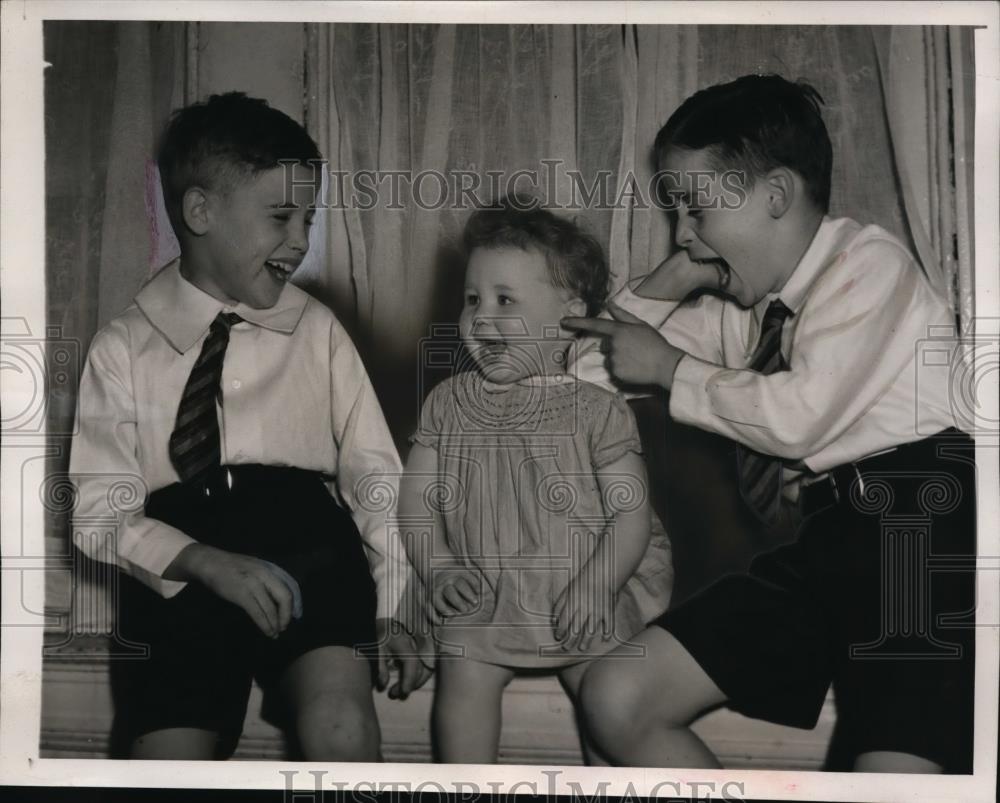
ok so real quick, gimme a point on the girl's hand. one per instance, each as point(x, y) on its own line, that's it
point(456, 591)
point(584, 611)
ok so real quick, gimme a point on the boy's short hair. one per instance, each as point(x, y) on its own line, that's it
point(754, 124)
point(575, 260)
point(225, 140)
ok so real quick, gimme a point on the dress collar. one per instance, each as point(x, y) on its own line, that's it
point(182, 312)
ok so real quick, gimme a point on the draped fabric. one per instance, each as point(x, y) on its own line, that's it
point(109, 88)
point(495, 99)
point(577, 105)
point(445, 98)
point(928, 74)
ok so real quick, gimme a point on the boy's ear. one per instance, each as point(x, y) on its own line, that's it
point(781, 187)
point(194, 208)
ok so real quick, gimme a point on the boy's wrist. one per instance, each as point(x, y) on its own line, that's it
point(192, 563)
point(673, 356)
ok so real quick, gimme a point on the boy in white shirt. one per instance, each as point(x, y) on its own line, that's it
point(804, 352)
point(241, 406)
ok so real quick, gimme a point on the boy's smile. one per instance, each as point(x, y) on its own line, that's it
point(255, 235)
point(712, 230)
point(510, 308)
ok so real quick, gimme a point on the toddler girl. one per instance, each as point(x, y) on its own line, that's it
point(538, 551)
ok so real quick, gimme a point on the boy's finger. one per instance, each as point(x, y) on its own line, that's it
point(622, 314)
point(597, 326)
point(281, 595)
point(262, 611)
point(295, 593)
point(412, 676)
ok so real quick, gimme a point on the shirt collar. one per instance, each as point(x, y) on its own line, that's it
point(814, 261)
point(182, 312)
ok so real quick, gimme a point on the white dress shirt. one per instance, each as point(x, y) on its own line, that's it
point(855, 385)
point(295, 393)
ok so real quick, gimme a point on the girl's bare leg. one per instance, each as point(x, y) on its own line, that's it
point(466, 713)
point(571, 678)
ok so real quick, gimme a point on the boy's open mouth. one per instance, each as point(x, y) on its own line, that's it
point(279, 270)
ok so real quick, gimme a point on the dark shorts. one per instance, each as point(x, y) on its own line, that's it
point(876, 595)
point(204, 652)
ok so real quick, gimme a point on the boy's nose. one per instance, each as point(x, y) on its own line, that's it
point(683, 235)
point(298, 239)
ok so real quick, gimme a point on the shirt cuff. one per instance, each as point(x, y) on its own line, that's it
point(653, 311)
point(689, 399)
point(389, 589)
point(152, 552)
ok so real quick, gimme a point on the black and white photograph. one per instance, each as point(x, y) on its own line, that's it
point(566, 399)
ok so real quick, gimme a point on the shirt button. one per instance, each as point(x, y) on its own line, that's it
point(237, 384)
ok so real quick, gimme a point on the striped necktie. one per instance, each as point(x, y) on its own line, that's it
point(761, 475)
point(194, 444)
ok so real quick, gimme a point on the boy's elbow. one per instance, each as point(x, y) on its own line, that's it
point(799, 442)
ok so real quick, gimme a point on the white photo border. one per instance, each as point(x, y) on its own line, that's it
point(22, 257)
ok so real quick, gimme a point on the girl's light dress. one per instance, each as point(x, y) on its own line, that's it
point(522, 507)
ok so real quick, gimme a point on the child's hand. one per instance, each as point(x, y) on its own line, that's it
point(242, 580)
point(583, 612)
point(398, 647)
point(678, 276)
point(456, 591)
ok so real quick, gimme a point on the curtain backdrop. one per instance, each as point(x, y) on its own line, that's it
point(558, 100)
point(450, 98)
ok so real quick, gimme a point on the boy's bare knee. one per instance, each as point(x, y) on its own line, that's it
point(611, 706)
point(338, 727)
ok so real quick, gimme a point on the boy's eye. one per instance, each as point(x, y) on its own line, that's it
point(504, 300)
point(471, 299)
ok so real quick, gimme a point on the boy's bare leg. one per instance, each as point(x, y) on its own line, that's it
point(571, 678)
point(886, 761)
point(176, 744)
point(638, 709)
point(329, 692)
point(466, 713)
